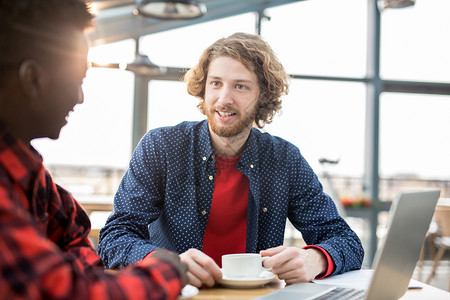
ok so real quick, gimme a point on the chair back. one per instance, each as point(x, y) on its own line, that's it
point(442, 217)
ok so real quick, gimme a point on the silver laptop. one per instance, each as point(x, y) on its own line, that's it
point(409, 218)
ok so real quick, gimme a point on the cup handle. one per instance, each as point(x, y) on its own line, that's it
point(262, 265)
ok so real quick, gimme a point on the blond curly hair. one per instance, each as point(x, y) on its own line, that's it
point(257, 56)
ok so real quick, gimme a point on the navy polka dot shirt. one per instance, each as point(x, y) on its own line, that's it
point(165, 197)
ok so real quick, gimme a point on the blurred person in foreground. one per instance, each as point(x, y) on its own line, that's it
point(45, 252)
point(220, 186)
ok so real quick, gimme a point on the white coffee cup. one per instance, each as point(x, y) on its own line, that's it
point(243, 265)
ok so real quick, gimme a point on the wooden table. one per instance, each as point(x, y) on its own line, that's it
point(220, 293)
point(91, 207)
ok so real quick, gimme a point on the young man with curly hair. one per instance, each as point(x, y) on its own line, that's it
point(220, 186)
point(45, 252)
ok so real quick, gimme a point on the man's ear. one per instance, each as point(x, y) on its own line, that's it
point(31, 78)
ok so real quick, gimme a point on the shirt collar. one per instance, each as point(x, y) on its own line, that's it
point(206, 150)
point(249, 156)
point(20, 162)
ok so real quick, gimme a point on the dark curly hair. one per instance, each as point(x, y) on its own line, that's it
point(252, 51)
point(36, 29)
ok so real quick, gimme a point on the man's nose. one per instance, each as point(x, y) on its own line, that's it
point(226, 96)
point(80, 95)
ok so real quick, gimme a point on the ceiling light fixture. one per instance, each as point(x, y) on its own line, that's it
point(144, 67)
point(177, 9)
point(395, 3)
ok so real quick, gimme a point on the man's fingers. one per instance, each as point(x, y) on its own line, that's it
point(291, 276)
point(202, 274)
point(213, 269)
point(202, 269)
point(280, 257)
point(293, 264)
point(272, 251)
point(207, 263)
point(194, 280)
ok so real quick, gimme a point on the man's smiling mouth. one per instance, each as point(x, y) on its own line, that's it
point(225, 114)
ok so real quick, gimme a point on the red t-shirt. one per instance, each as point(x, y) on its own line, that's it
point(226, 230)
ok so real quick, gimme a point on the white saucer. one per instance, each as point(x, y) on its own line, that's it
point(188, 291)
point(265, 277)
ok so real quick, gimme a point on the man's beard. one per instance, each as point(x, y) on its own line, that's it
point(232, 130)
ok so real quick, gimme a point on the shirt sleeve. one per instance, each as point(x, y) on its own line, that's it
point(35, 267)
point(124, 240)
point(314, 214)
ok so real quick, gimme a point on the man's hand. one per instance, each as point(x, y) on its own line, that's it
point(294, 264)
point(202, 269)
point(173, 259)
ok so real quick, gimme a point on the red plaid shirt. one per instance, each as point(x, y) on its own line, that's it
point(45, 252)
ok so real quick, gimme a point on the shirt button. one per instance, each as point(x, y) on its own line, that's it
point(265, 209)
point(204, 212)
point(211, 177)
point(204, 158)
point(251, 166)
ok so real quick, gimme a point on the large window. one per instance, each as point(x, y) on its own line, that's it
point(182, 47)
point(99, 130)
point(414, 137)
point(170, 104)
point(415, 43)
point(320, 37)
point(325, 120)
point(323, 43)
